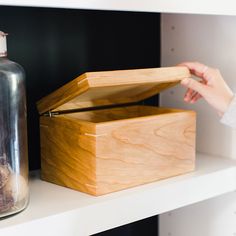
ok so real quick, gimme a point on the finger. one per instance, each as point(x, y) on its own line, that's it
point(196, 68)
point(196, 97)
point(188, 95)
point(196, 86)
point(193, 95)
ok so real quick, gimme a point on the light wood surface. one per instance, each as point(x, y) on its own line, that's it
point(111, 87)
point(67, 154)
point(99, 153)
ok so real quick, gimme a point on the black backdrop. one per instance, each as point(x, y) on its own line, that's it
point(56, 45)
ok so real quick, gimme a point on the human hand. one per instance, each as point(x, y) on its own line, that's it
point(211, 87)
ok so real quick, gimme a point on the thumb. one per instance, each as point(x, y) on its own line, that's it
point(195, 85)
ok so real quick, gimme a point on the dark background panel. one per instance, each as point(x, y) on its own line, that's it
point(56, 45)
point(146, 227)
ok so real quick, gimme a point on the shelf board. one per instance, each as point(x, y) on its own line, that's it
point(62, 211)
point(168, 6)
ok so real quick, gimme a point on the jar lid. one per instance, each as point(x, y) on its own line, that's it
point(3, 44)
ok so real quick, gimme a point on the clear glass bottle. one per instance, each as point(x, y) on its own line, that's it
point(13, 135)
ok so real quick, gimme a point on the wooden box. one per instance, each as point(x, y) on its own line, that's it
point(91, 142)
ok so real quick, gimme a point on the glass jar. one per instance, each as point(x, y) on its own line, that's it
point(13, 135)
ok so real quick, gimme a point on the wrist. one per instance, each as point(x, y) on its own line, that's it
point(228, 117)
point(227, 101)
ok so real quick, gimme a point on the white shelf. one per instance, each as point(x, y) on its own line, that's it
point(226, 7)
point(54, 210)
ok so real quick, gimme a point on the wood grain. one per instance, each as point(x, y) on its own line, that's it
point(67, 154)
point(98, 152)
point(111, 87)
point(143, 150)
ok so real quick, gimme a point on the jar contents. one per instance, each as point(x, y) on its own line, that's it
point(13, 188)
point(6, 198)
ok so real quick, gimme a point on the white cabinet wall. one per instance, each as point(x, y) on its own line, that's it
point(214, 217)
point(211, 40)
point(226, 7)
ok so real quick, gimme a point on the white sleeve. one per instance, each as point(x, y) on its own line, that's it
point(229, 117)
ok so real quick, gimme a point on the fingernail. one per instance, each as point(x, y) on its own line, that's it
point(185, 81)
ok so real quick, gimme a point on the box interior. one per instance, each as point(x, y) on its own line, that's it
point(120, 113)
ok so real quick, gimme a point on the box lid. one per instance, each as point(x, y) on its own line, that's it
point(103, 88)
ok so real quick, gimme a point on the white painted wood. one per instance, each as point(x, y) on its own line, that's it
point(226, 7)
point(54, 210)
point(211, 40)
point(215, 217)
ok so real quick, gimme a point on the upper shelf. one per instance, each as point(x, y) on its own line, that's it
point(55, 210)
point(226, 7)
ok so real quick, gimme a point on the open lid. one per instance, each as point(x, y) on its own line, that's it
point(103, 88)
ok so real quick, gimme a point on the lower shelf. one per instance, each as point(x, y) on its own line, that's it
point(55, 210)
